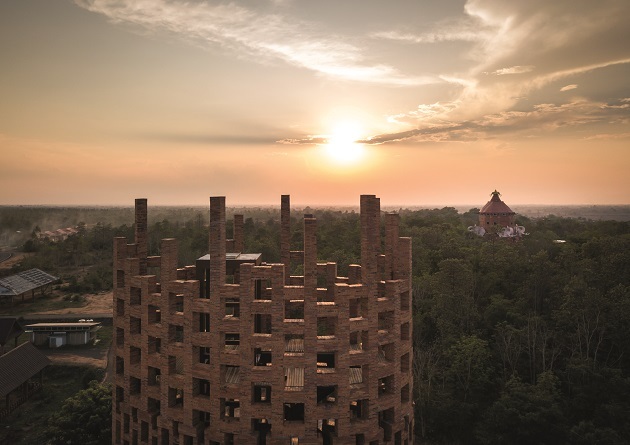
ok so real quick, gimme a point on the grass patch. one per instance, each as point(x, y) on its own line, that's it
point(27, 423)
point(104, 336)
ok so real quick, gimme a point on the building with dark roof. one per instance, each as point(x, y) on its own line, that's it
point(20, 376)
point(233, 350)
point(10, 329)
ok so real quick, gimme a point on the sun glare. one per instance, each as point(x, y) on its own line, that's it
point(342, 147)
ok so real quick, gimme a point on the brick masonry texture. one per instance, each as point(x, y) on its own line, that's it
point(232, 351)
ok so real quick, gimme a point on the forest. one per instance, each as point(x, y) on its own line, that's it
point(514, 342)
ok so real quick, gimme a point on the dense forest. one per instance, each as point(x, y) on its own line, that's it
point(515, 342)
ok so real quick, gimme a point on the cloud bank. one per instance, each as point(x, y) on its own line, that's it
point(520, 49)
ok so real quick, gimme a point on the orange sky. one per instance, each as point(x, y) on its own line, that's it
point(438, 105)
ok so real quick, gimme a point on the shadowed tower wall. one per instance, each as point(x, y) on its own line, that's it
point(236, 351)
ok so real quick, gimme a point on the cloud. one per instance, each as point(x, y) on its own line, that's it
point(308, 140)
point(255, 35)
point(525, 46)
point(209, 139)
point(462, 32)
point(609, 136)
point(541, 119)
point(514, 70)
point(569, 87)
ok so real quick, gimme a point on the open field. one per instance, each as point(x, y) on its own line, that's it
point(58, 303)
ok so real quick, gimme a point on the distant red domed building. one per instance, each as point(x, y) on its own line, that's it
point(498, 219)
point(496, 213)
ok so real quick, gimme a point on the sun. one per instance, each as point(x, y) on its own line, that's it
point(342, 146)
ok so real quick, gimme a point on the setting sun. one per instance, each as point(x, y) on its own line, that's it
point(341, 145)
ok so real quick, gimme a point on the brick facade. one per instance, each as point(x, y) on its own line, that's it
point(236, 351)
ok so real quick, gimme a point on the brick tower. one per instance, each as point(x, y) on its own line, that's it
point(496, 214)
point(236, 351)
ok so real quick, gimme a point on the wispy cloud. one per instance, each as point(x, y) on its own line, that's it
point(520, 48)
point(540, 120)
point(307, 140)
point(518, 69)
point(270, 36)
point(463, 32)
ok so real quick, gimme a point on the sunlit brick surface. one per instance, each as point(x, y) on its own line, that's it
point(236, 351)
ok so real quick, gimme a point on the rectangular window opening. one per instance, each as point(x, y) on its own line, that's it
point(135, 294)
point(325, 362)
point(326, 326)
point(294, 412)
point(201, 387)
point(232, 341)
point(294, 310)
point(262, 357)
point(294, 344)
point(261, 393)
point(359, 409)
point(326, 394)
point(154, 376)
point(232, 308)
point(155, 314)
point(262, 323)
point(204, 321)
point(262, 289)
point(204, 355)
point(230, 409)
point(135, 325)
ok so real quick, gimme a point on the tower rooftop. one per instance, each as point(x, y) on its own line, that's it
point(495, 205)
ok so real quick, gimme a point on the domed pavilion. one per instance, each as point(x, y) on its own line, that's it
point(496, 214)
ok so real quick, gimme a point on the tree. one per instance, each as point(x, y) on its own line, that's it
point(84, 418)
point(525, 414)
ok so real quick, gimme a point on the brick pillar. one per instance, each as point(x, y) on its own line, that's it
point(168, 260)
point(370, 247)
point(285, 235)
point(370, 238)
point(216, 242)
point(141, 233)
point(392, 222)
point(239, 237)
point(310, 255)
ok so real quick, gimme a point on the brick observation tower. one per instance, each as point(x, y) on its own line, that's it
point(496, 214)
point(233, 350)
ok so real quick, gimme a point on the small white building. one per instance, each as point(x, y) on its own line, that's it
point(55, 335)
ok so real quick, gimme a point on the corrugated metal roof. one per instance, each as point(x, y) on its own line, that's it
point(19, 365)
point(25, 281)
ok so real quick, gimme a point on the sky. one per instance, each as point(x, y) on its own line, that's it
point(424, 102)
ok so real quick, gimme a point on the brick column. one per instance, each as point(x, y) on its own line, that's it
point(216, 243)
point(285, 235)
point(168, 261)
point(392, 221)
point(239, 237)
point(141, 233)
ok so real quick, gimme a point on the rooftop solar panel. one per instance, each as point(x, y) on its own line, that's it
point(25, 281)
